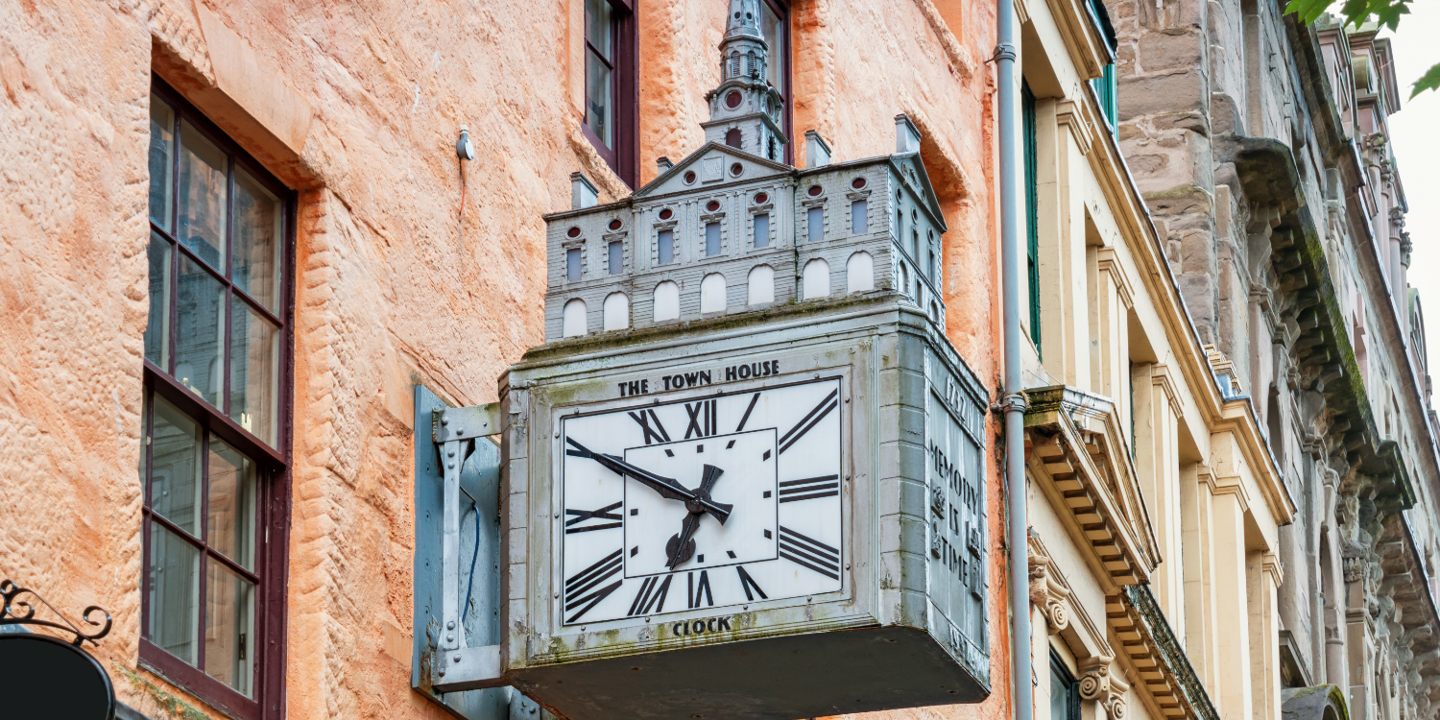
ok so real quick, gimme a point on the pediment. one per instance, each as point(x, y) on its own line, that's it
point(712, 165)
point(911, 170)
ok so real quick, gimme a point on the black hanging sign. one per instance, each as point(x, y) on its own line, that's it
point(44, 676)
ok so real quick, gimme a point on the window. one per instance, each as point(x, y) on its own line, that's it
point(1105, 87)
point(616, 259)
point(858, 218)
point(815, 222)
point(1064, 691)
point(762, 230)
point(665, 247)
point(215, 446)
point(1032, 210)
point(610, 84)
point(775, 25)
point(712, 239)
point(572, 264)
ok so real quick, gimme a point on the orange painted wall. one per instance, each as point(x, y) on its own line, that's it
point(357, 105)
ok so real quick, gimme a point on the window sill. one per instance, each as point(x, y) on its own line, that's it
point(191, 680)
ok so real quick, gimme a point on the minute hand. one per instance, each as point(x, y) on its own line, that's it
point(666, 487)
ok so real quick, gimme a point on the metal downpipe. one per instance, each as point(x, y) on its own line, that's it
point(1014, 401)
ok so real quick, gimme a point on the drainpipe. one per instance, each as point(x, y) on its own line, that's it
point(1014, 400)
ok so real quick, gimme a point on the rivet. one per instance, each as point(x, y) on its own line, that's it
point(442, 672)
point(450, 637)
point(451, 466)
point(457, 658)
point(450, 625)
point(451, 453)
point(461, 431)
point(557, 433)
point(444, 421)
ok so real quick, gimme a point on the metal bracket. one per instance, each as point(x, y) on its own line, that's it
point(468, 669)
point(466, 422)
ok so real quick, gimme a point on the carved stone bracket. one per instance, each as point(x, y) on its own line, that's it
point(1095, 680)
point(1115, 704)
point(1048, 593)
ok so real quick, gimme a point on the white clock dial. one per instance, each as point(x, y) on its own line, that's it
point(706, 502)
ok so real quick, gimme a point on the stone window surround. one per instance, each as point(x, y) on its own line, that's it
point(272, 511)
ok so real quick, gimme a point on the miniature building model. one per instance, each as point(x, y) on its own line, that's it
point(731, 230)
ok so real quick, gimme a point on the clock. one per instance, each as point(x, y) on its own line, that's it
point(714, 499)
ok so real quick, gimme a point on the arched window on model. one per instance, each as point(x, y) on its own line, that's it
point(617, 311)
point(572, 319)
point(712, 293)
point(860, 273)
point(816, 279)
point(761, 285)
point(667, 301)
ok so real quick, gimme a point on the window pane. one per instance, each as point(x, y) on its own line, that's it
point(617, 257)
point(162, 150)
point(598, 24)
point(229, 627)
point(665, 247)
point(597, 98)
point(254, 372)
point(773, 28)
point(712, 239)
point(200, 331)
point(762, 231)
point(230, 528)
point(815, 218)
point(157, 332)
point(257, 264)
point(859, 217)
point(174, 593)
point(175, 476)
point(203, 193)
point(572, 265)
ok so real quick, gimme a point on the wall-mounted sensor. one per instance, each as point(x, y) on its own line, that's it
point(463, 147)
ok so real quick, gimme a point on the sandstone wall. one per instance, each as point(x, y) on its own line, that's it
point(357, 106)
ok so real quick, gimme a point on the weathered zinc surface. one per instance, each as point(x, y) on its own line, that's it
point(1261, 146)
point(356, 107)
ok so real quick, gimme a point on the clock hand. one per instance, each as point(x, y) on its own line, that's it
point(704, 503)
point(666, 487)
point(682, 546)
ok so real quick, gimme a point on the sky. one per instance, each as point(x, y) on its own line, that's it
point(1417, 153)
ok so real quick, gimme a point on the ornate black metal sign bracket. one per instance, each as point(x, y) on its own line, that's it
point(19, 609)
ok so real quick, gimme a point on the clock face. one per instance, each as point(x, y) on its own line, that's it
point(707, 502)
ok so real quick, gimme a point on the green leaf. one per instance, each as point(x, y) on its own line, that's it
point(1429, 81)
point(1308, 10)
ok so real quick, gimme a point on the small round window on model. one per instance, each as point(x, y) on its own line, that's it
point(666, 214)
point(732, 100)
point(857, 183)
point(573, 232)
point(814, 190)
point(615, 224)
point(761, 198)
point(737, 169)
point(712, 206)
point(689, 177)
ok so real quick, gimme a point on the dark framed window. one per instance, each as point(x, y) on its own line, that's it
point(1064, 691)
point(611, 84)
point(775, 25)
point(215, 448)
point(1032, 209)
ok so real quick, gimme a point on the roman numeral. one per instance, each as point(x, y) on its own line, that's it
point(601, 514)
point(748, 409)
point(702, 419)
point(588, 578)
point(652, 594)
point(809, 488)
point(810, 420)
point(809, 552)
point(747, 582)
point(695, 591)
point(655, 434)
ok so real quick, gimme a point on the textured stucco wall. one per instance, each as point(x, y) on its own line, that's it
point(357, 105)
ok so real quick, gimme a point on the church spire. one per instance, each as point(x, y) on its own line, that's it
point(745, 109)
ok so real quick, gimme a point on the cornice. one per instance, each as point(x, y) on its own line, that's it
point(1083, 39)
point(1151, 648)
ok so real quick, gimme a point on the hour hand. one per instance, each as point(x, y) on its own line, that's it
point(666, 487)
